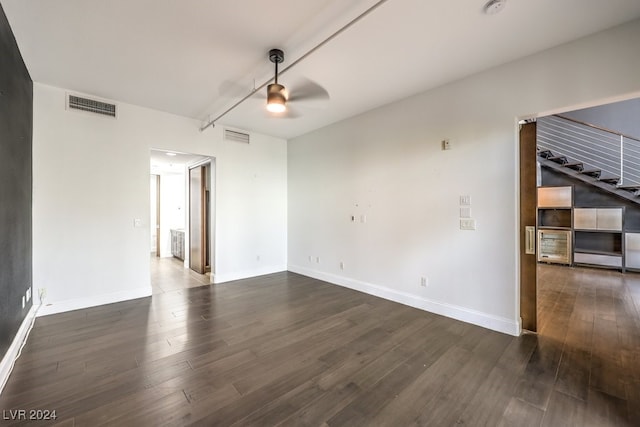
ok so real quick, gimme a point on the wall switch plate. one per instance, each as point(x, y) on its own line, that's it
point(424, 282)
point(465, 212)
point(465, 200)
point(137, 223)
point(446, 144)
point(28, 294)
point(317, 260)
point(363, 219)
point(341, 265)
point(467, 224)
point(23, 302)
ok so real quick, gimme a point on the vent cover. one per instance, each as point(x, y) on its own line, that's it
point(234, 135)
point(91, 105)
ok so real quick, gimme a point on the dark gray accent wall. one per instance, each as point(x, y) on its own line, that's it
point(623, 117)
point(586, 195)
point(16, 127)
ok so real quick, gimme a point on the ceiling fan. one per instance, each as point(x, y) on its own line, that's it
point(278, 97)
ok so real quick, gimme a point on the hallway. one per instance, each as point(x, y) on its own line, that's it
point(170, 274)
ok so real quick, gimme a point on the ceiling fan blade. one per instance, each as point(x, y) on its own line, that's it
point(308, 90)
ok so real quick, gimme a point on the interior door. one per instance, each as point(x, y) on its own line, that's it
point(528, 263)
point(197, 219)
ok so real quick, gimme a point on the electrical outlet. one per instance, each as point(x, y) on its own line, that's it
point(310, 258)
point(317, 260)
point(42, 293)
point(257, 257)
point(424, 282)
point(341, 265)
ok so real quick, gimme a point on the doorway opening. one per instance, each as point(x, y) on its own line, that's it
point(174, 265)
point(588, 155)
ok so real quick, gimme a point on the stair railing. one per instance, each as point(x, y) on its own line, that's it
point(614, 153)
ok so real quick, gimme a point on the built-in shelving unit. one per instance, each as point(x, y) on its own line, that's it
point(587, 235)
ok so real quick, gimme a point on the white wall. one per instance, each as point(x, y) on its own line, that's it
point(387, 164)
point(172, 208)
point(86, 250)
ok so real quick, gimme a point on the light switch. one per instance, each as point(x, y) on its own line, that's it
point(465, 212)
point(137, 223)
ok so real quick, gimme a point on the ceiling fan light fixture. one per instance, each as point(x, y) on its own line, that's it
point(276, 101)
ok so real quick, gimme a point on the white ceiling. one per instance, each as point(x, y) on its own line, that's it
point(195, 58)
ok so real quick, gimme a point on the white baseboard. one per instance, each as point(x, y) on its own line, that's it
point(238, 275)
point(80, 303)
point(489, 321)
point(7, 361)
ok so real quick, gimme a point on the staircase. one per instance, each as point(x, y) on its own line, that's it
point(603, 158)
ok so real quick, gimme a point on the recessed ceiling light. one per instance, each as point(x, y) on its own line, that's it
point(494, 6)
point(171, 154)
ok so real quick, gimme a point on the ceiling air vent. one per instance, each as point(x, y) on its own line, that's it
point(91, 105)
point(234, 135)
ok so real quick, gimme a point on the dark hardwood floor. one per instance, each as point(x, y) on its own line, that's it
point(288, 350)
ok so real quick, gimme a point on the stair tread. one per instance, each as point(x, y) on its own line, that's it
point(576, 166)
point(545, 154)
point(611, 180)
point(595, 173)
point(562, 160)
point(629, 187)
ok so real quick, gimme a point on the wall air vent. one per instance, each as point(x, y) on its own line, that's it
point(234, 135)
point(79, 103)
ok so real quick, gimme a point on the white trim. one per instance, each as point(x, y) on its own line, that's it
point(228, 277)
point(496, 323)
point(6, 364)
point(80, 303)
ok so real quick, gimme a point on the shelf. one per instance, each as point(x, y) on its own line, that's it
point(581, 230)
point(596, 252)
point(546, 227)
point(599, 260)
point(554, 217)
